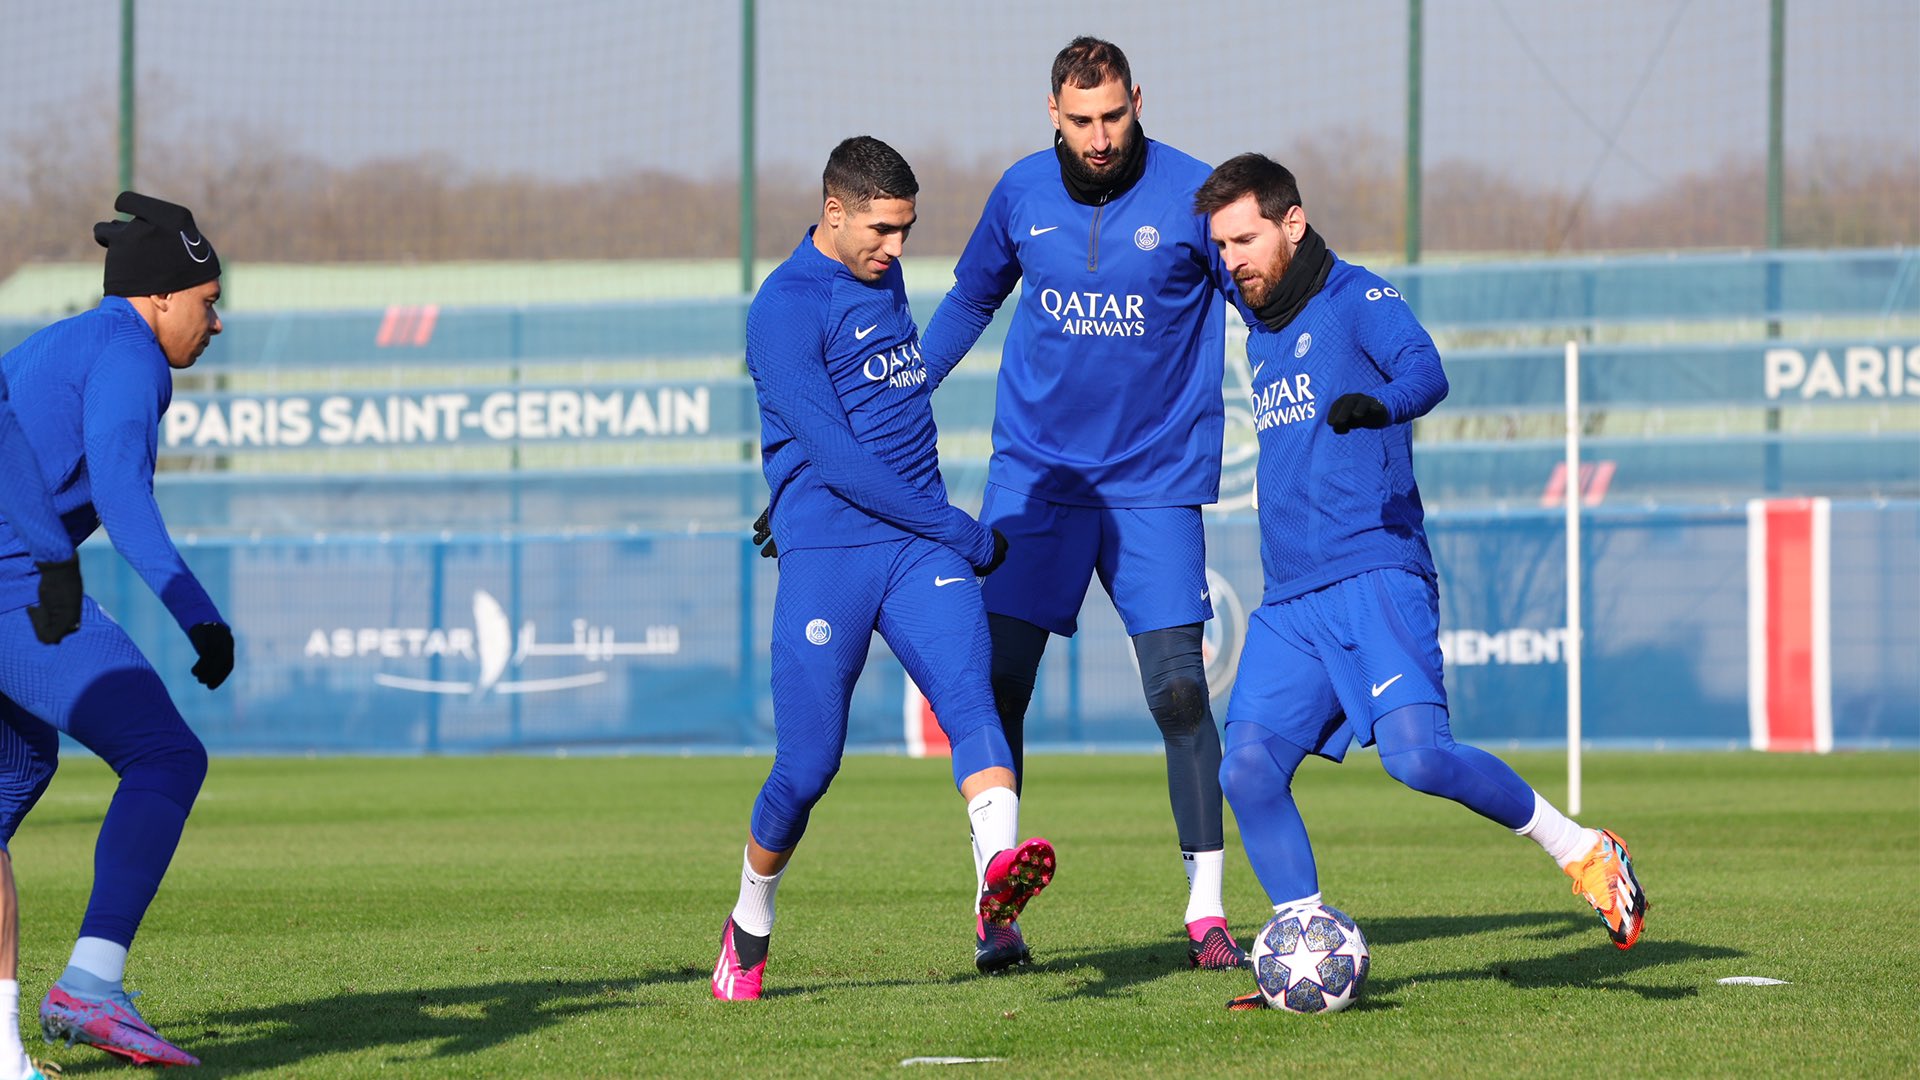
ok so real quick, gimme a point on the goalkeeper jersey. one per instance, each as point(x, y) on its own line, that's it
point(1109, 387)
point(1332, 506)
point(846, 418)
point(89, 391)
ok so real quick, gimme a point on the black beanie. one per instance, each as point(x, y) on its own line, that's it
point(159, 251)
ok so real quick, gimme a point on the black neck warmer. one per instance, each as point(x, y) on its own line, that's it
point(1300, 283)
point(1131, 168)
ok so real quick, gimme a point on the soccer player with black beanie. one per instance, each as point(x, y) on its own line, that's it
point(1344, 647)
point(89, 392)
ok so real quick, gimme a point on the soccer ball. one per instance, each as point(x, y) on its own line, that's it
point(1310, 959)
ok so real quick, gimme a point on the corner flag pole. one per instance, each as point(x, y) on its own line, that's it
point(1573, 495)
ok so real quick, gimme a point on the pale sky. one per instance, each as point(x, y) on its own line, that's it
point(1620, 96)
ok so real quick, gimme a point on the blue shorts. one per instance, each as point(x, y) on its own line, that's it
point(923, 599)
point(94, 685)
point(1319, 669)
point(1152, 561)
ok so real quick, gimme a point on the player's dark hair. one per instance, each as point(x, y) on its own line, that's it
point(1087, 62)
point(862, 169)
point(1268, 181)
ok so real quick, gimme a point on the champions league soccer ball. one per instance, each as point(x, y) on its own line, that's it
point(1310, 959)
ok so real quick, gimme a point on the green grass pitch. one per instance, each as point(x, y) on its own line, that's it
point(521, 916)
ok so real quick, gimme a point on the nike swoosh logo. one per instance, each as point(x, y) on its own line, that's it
point(1035, 230)
point(939, 581)
point(861, 335)
point(192, 244)
point(1378, 690)
point(1257, 367)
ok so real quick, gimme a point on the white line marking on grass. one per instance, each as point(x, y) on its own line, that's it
point(1752, 980)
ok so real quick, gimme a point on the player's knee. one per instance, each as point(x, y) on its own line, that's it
point(1011, 695)
point(1179, 705)
point(1249, 775)
point(801, 786)
point(1422, 768)
point(175, 768)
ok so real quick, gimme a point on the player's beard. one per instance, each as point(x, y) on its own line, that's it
point(1087, 175)
point(1258, 288)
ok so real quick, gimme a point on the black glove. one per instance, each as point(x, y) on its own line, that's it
point(999, 555)
point(763, 534)
point(214, 642)
point(58, 612)
point(1357, 411)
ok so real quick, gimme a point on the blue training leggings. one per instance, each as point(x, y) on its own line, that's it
point(97, 687)
point(1416, 748)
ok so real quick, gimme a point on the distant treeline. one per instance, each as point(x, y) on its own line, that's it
point(262, 202)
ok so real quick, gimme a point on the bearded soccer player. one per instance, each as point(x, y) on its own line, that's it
point(867, 541)
point(1107, 425)
point(89, 392)
point(1345, 644)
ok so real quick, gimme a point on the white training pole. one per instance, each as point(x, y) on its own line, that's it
point(1573, 496)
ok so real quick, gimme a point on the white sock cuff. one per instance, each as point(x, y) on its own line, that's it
point(989, 796)
point(1559, 835)
point(100, 958)
point(1204, 872)
point(993, 816)
point(753, 912)
point(747, 872)
point(1534, 821)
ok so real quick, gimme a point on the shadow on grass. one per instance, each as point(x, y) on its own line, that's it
point(1598, 967)
point(1592, 964)
point(453, 1022)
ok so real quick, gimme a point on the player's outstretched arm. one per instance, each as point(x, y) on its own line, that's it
point(121, 418)
point(796, 390)
point(984, 277)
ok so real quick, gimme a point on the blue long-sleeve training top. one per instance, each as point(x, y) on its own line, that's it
point(1109, 390)
point(1332, 506)
point(836, 366)
point(24, 504)
point(89, 392)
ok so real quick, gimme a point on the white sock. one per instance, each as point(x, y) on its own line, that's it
point(14, 1063)
point(1309, 900)
point(753, 912)
point(995, 817)
point(1203, 884)
point(1559, 834)
point(100, 958)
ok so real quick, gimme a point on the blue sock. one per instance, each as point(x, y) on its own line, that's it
point(1256, 773)
point(137, 841)
point(83, 983)
point(1417, 749)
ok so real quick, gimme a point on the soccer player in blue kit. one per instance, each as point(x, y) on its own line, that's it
point(1107, 425)
point(89, 392)
point(867, 541)
point(28, 513)
point(1345, 644)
